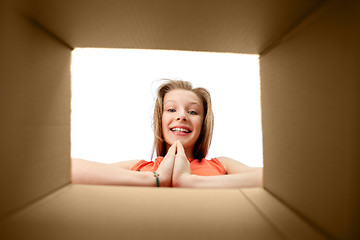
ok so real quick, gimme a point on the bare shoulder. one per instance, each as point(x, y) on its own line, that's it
point(233, 166)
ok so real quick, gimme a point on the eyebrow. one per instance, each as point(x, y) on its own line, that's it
point(190, 103)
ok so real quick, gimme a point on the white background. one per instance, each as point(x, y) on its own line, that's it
point(113, 93)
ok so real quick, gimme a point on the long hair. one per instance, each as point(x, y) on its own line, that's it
point(202, 144)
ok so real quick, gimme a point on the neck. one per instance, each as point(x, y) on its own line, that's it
point(189, 153)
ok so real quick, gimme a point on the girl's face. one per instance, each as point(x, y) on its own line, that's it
point(182, 118)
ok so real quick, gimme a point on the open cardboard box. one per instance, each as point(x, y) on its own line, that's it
point(309, 57)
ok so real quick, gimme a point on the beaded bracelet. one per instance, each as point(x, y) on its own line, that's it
point(156, 175)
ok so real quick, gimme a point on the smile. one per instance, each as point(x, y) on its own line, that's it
point(177, 129)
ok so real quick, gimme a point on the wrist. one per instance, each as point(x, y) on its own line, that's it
point(186, 181)
point(160, 179)
point(148, 179)
point(156, 176)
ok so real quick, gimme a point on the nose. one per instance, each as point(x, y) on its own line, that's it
point(181, 116)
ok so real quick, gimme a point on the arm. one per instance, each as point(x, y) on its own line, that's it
point(239, 180)
point(244, 176)
point(86, 172)
point(238, 175)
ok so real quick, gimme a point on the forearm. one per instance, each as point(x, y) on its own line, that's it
point(86, 172)
point(238, 180)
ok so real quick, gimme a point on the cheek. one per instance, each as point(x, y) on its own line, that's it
point(164, 123)
point(198, 124)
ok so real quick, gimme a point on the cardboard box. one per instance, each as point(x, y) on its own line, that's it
point(310, 108)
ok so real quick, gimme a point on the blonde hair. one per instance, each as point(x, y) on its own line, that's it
point(202, 144)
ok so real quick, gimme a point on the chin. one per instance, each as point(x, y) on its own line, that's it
point(183, 141)
point(172, 141)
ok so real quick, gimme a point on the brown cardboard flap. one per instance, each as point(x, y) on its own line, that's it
point(310, 110)
point(281, 217)
point(35, 112)
point(110, 212)
point(241, 26)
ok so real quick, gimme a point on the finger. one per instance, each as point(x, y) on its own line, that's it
point(180, 148)
point(172, 149)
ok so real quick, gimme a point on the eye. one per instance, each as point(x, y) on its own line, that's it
point(192, 112)
point(171, 110)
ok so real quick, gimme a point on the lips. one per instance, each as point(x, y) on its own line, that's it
point(180, 129)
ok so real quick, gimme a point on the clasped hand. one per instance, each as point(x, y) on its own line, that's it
point(174, 170)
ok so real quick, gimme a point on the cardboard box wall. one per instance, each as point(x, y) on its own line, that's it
point(310, 109)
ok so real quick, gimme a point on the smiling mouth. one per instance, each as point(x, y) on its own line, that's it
point(180, 130)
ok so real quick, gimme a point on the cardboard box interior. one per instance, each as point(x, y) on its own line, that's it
point(310, 108)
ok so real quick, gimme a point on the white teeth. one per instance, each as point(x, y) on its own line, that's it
point(180, 130)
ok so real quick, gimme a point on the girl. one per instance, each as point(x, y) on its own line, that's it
point(183, 126)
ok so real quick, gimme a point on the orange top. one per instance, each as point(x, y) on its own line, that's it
point(203, 168)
